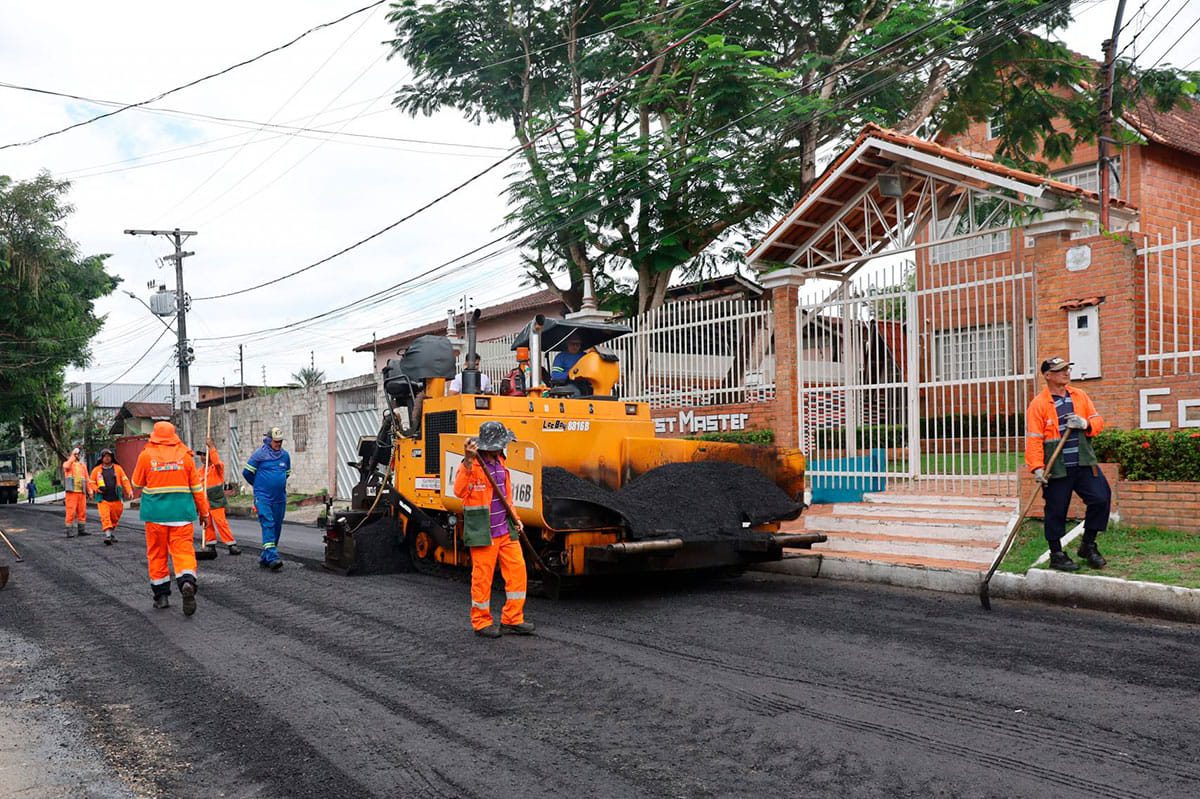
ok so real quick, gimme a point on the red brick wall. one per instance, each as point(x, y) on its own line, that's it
point(1168, 192)
point(1173, 506)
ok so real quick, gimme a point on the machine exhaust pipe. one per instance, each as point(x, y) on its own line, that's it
point(535, 351)
point(471, 382)
point(638, 547)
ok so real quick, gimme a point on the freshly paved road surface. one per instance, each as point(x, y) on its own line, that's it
point(306, 684)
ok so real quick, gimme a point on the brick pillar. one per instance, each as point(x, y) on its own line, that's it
point(784, 285)
point(1112, 274)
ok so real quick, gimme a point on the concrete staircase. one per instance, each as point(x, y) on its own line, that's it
point(947, 532)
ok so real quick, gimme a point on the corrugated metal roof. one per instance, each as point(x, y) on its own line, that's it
point(117, 394)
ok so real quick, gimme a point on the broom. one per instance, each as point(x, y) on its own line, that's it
point(204, 553)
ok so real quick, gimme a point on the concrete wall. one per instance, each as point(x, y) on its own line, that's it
point(306, 416)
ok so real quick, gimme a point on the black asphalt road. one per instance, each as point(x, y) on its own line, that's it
point(306, 684)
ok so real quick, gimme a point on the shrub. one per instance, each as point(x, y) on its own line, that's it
point(1151, 454)
point(763, 437)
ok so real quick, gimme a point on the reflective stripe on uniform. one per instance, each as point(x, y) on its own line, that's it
point(515, 594)
point(269, 545)
point(1034, 435)
point(250, 468)
point(480, 605)
point(187, 572)
point(161, 580)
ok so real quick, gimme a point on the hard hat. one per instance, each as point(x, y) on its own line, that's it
point(522, 353)
point(276, 434)
point(493, 436)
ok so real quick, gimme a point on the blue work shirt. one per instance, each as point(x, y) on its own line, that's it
point(268, 472)
point(564, 362)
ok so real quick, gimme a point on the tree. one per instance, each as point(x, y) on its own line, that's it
point(653, 170)
point(47, 306)
point(308, 377)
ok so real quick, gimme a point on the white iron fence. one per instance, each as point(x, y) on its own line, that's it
point(1170, 334)
point(916, 379)
point(693, 353)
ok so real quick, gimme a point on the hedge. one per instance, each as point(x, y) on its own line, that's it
point(765, 437)
point(1151, 454)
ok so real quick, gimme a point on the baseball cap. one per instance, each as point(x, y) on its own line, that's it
point(1055, 364)
point(276, 434)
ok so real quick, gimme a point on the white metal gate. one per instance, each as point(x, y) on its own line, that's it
point(915, 378)
point(355, 416)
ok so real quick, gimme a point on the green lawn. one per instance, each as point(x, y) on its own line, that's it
point(1146, 553)
point(968, 463)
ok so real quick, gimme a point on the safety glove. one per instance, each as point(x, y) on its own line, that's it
point(1076, 422)
point(1040, 475)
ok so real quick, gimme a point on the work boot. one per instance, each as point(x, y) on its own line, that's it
point(1062, 562)
point(276, 565)
point(82, 529)
point(70, 531)
point(524, 628)
point(108, 538)
point(211, 548)
point(161, 602)
point(1091, 553)
point(491, 631)
point(189, 598)
point(234, 549)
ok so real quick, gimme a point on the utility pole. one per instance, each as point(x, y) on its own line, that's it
point(183, 352)
point(242, 370)
point(1107, 80)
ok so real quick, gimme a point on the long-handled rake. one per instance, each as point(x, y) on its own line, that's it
point(10, 546)
point(984, 599)
point(204, 553)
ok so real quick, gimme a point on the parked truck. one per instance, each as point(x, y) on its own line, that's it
point(10, 476)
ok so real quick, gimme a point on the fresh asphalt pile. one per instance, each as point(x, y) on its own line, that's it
point(697, 501)
point(378, 548)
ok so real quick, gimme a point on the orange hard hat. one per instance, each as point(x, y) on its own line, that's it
point(522, 353)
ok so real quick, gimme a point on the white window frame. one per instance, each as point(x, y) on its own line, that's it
point(967, 249)
point(1087, 177)
point(973, 353)
point(995, 128)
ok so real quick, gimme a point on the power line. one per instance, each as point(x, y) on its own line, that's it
point(195, 82)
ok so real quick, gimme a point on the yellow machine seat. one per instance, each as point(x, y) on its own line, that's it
point(600, 368)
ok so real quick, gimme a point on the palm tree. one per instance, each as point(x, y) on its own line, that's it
point(308, 377)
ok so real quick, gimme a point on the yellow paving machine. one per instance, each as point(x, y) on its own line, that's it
point(598, 493)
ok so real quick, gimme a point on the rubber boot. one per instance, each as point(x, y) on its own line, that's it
point(82, 528)
point(70, 531)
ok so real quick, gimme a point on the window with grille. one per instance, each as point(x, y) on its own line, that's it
point(300, 432)
point(972, 353)
point(995, 127)
point(964, 249)
point(1087, 177)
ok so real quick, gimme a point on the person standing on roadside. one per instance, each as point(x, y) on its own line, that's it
point(267, 470)
point(214, 486)
point(489, 532)
point(75, 491)
point(1063, 410)
point(31, 491)
point(111, 487)
point(172, 499)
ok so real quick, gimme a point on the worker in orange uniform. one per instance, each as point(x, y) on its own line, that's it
point(75, 490)
point(214, 486)
point(490, 532)
point(111, 487)
point(172, 498)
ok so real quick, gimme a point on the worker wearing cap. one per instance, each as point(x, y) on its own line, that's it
point(564, 362)
point(492, 531)
point(76, 493)
point(172, 498)
point(516, 383)
point(214, 489)
point(267, 470)
point(1063, 410)
point(111, 486)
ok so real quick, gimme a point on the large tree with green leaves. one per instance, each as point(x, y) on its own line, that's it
point(653, 131)
point(47, 306)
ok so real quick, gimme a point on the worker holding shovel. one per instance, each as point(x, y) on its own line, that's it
point(492, 531)
point(214, 486)
point(1064, 411)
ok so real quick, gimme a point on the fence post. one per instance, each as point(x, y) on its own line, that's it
point(784, 285)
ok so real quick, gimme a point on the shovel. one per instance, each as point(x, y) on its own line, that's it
point(551, 578)
point(10, 546)
point(984, 599)
point(204, 553)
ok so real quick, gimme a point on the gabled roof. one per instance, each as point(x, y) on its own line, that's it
point(157, 411)
point(847, 197)
point(1178, 128)
point(537, 299)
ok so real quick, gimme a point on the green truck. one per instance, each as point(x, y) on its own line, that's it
point(10, 478)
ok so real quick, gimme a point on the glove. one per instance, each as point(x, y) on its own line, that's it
point(1076, 422)
point(1040, 476)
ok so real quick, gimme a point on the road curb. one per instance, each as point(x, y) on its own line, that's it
point(1111, 594)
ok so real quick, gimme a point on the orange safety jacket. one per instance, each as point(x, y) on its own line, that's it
point(214, 481)
point(170, 482)
point(96, 482)
point(472, 487)
point(75, 476)
point(1041, 430)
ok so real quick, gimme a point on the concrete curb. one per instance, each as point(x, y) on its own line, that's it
point(1041, 585)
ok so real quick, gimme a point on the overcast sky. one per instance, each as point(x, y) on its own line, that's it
point(265, 204)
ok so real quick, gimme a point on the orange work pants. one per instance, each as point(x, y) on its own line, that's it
point(110, 514)
point(162, 540)
point(76, 507)
point(483, 568)
point(217, 526)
